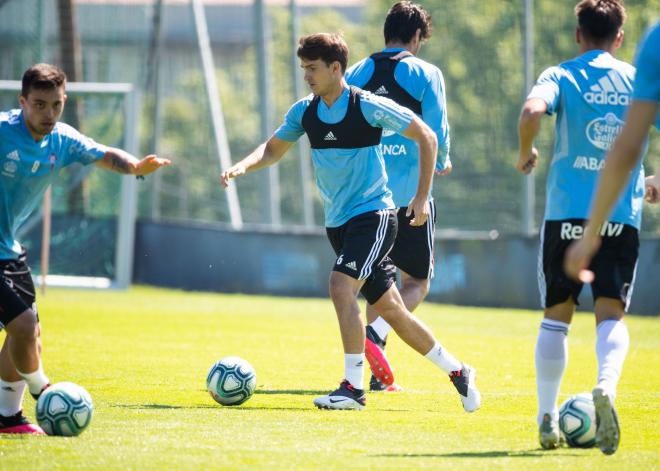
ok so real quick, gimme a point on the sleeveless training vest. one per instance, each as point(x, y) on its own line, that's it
point(352, 132)
point(382, 81)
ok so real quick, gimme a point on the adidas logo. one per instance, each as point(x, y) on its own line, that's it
point(330, 137)
point(351, 265)
point(610, 90)
point(13, 155)
point(382, 91)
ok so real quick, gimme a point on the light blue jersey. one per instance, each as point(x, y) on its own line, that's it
point(28, 167)
point(350, 181)
point(425, 83)
point(647, 81)
point(590, 95)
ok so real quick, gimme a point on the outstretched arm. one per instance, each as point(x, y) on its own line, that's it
point(528, 127)
point(268, 153)
point(427, 141)
point(620, 161)
point(123, 162)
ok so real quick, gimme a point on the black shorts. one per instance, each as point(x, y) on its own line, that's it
point(362, 245)
point(17, 293)
point(613, 265)
point(413, 247)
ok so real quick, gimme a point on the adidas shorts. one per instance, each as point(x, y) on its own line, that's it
point(17, 293)
point(613, 265)
point(413, 247)
point(362, 245)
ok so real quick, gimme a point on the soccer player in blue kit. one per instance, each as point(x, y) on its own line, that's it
point(590, 95)
point(34, 147)
point(344, 126)
point(625, 153)
point(396, 73)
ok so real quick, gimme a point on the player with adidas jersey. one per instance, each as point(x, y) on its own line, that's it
point(344, 126)
point(625, 153)
point(34, 147)
point(396, 73)
point(590, 95)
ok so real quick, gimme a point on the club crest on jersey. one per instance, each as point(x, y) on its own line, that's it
point(602, 131)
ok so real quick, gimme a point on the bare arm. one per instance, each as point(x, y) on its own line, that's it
point(427, 141)
point(268, 153)
point(528, 128)
point(619, 162)
point(120, 161)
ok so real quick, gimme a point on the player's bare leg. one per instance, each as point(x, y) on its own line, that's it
point(413, 291)
point(12, 383)
point(419, 337)
point(350, 394)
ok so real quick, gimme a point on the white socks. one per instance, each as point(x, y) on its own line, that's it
point(11, 397)
point(36, 380)
point(354, 369)
point(381, 327)
point(612, 341)
point(551, 357)
point(443, 359)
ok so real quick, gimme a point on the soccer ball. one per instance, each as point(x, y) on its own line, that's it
point(64, 409)
point(231, 381)
point(577, 421)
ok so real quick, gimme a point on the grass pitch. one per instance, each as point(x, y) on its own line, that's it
point(144, 354)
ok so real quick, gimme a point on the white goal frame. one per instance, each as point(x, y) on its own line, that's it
point(128, 203)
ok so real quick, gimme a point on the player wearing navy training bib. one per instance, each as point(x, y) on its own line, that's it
point(344, 126)
point(396, 73)
point(590, 95)
point(34, 147)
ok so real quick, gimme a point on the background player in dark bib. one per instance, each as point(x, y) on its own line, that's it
point(396, 73)
point(590, 95)
point(344, 125)
point(34, 147)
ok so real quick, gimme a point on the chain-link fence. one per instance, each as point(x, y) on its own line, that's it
point(478, 45)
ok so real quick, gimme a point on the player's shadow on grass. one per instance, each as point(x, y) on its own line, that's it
point(161, 406)
point(475, 454)
point(299, 392)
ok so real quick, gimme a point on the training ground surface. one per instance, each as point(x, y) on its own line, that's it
point(143, 355)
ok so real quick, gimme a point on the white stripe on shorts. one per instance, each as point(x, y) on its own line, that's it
point(378, 244)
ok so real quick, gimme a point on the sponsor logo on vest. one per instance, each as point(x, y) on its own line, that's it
point(381, 91)
point(394, 149)
point(571, 231)
point(602, 132)
point(610, 90)
point(588, 163)
point(330, 137)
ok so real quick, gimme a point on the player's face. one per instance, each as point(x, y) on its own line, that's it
point(321, 77)
point(42, 109)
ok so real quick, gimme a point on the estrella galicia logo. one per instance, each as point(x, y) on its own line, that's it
point(602, 131)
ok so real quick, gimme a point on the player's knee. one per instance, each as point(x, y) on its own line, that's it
point(24, 328)
point(340, 286)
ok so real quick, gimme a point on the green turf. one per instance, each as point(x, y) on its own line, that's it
point(144, 354)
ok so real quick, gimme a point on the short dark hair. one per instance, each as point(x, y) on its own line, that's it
point(600, 20)
point(329, 47)
point(42, 77)
point(404, 19)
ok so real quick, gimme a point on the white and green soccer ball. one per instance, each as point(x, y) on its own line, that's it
point(231, 381)
point(64, 409)
point(577, 420)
